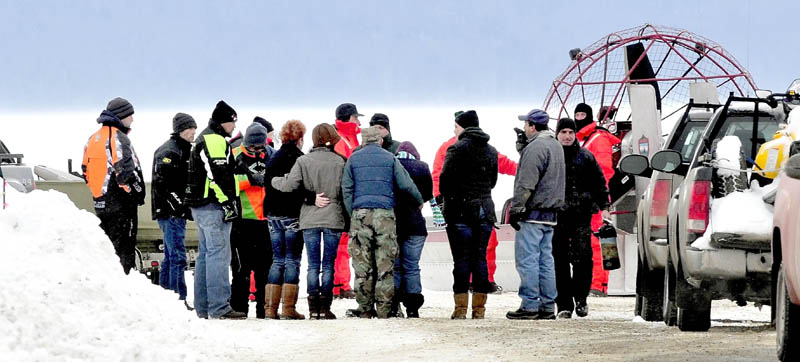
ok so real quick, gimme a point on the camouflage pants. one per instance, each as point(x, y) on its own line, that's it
point(373, 248)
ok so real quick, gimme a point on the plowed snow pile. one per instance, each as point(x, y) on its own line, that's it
point(63, 294)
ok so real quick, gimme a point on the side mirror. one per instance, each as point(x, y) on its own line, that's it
point(666, 161)
point(635, 165)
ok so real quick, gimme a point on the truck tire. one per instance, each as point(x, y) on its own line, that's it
point(649, 293)
point(694, 305)
point(723, 185)
point(668, 309)
point(787, 321)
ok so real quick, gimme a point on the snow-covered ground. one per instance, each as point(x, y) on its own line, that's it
point(64, 298)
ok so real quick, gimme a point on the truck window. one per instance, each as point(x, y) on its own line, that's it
point(689, 138)
point(741, 126)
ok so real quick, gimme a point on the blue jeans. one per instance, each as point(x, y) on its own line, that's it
point(212, 283)
point(329, 239)
point(174, 263)
point(406, 266)
point(468, 243)
point(533, 251)
point(287, 249)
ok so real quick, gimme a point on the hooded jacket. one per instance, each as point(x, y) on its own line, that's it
point(248, 166)
point(505, 165)
point(601, 144)
point(469, 174)
point(211, 168)
point(585, 191)
point(540, 180)
point(170, 170)
point(111, 168)
point(409, 216)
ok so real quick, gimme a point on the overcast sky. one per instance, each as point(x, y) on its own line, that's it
point(78, 54)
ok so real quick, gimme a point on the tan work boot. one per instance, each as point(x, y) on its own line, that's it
point(478, 305)
point(460, 311)
point(273, 298)
point(289, 300)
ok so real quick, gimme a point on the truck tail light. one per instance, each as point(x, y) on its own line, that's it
point(698, 207)
point(658, 210)
point(154, 264)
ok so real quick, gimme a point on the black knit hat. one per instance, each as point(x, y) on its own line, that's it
point(345, 110)
point(566, 123)
point(182, 121)
point(467, 119)
point(380, 119)
point(120, 107)
point(264, 123)
point(223, 113)
point(585, 108)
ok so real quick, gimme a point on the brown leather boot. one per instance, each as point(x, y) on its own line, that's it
point(460, 311)
point(273, 299)
point(289, 300)
point(478, 305)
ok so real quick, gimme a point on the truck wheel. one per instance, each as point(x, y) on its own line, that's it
point(694, 306)
point(650, 293)
point(787, 321)
point(668, 309)
point(725, 184)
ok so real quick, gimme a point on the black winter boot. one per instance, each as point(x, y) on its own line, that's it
point(394, 310)
point(324, 311)
point(313, 307)
point(413, 302)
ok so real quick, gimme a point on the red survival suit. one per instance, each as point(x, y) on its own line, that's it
point(341, 272)
point(505, 166)
point(600, 143)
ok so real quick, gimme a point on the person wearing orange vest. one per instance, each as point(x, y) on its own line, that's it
point(112, 171)
point(348, 126)
point(600, 142)
point(505, 166)
point(251, 247)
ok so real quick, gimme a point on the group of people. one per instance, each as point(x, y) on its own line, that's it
point(256, 207)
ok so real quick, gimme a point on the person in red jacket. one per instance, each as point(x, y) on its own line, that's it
point(505, 166)
point(600, 142)
point(348, 127)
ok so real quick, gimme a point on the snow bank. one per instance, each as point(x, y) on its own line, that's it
point(64, 296)
point(727, 155)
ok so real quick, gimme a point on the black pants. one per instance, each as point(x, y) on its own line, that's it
point(572, 246)
point(468, 243)
point(121, 226)
point(251, 250)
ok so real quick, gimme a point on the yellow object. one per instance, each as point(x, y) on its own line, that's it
point(773, 154)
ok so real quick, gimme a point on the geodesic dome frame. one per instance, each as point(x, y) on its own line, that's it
point(598, 74)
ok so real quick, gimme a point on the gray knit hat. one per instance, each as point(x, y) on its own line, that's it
point(370, 135)
point(120, 107)
point(256, 135)
point(182, 121)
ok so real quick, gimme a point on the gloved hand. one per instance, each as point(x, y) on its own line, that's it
point(515, 216)
point(522, 139)
point(438, 218)
point(230, 210)
point(256, 179)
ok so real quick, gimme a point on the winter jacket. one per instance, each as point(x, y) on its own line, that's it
point(286, 204)
point(250, 171)
point(389, 144)
point(585, 191)
point(111, 168)
point(370, 177)
point(211, 169)
point(349, 132)
point(468, 176)
point(540, 180)
point(600, 143)
point(320, 171)
point(170, 171)
point(505, 165)
point(407, 212)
